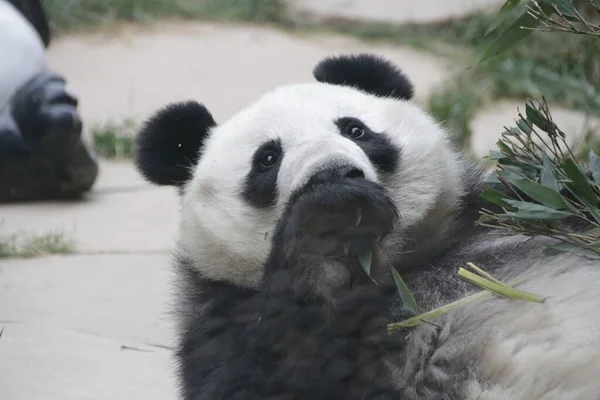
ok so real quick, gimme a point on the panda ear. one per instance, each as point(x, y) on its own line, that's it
point(169, 142)
point(366, 72)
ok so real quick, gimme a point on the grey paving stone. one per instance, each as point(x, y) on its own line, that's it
point(121, 297)
point(131, 73)
point(138, 221)
point(50, 363)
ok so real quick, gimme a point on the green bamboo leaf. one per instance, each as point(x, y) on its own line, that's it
point(500, 289)
point(438, 312)
point(567, 8)
point(592, 209)
point(365, 260)
point(581, 185)
point(547, 176)
point(483, 273)
point(443, 310)
point(509, 175)
point(504, 148)
point(534, 116)
point(502, 15)
point(524, 127)
point(497, 198)
point(514, 33)
point(570, 248)
point(527, 211)
point(595, 166)
point(405, 294)
point(541, 194)
point(492, 179)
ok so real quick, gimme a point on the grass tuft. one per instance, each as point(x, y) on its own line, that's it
point(115, 139)
point(17, 246)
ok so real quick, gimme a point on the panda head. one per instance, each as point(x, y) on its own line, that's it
point(235, 178)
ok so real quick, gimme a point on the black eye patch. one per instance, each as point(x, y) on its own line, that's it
point(260, 185)
point(380, 150)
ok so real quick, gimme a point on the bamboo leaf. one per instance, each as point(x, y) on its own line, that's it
point(365, 260)
point(509, 175)
point(500, 289)
point(534, 116)
point(528, 211)
point(438, 312)
point(595, 166)
point(541, 194)
point(497, 198)
point(566, 8)
point(504, 148)
point(502, 15)
point(581, 185)
point(570, 248)
point(483, 273)
point(514, 33)
point(405, 294)
point(593, 210)
point(547, 176)
point(523, 126)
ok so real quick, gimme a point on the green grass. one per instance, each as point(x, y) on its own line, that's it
point(67, 15)
point(18, 246)
point(115, 139)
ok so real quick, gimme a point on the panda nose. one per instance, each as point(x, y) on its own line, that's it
point(342, 171)
point(352, 172)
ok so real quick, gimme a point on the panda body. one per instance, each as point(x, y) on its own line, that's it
point(21, 51)
point(278, 202)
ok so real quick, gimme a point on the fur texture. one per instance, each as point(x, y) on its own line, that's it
point(272, 302)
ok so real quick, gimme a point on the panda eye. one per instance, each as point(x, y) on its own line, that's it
point(269, 159)
point(354, 131)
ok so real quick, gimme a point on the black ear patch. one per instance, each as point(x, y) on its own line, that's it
point(367, 72)
point(168, 145)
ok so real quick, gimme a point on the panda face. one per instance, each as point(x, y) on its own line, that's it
point(236, 178)
point(250, 166)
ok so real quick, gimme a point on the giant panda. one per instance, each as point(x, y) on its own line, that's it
point(279, 202)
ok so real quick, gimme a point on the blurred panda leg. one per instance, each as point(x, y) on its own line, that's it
point(42, 155)
point(55, 163)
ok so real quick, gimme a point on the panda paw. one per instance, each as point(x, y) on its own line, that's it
point(43, 107)
point(336, 218)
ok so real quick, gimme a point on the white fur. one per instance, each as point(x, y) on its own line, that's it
point(549, 351)
point(228, 239)
point(21, 51)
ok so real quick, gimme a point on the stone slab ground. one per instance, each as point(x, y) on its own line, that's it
point(132, 72)
point(86, 327)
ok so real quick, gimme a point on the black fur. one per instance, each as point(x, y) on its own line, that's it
point(169, 143)
point(380, 150)
point(260, 186)
point(366, 72)
point(287, 341)
point(35, 14)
